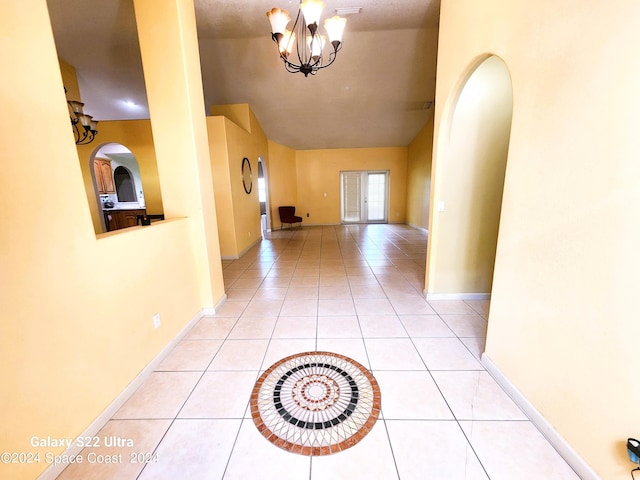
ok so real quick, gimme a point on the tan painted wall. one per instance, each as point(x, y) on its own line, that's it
point(74, 331)
point(222, 186)
point(171, 62)
point(70, 81)
point(282, 179)
point(246, 207)
point(238, 212)
point(318, 172)
point(419, 156)
point(563, 323)
point(238, 113)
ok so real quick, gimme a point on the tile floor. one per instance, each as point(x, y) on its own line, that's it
point(356, 291)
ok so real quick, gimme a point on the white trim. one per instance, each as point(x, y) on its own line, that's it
point(422, 229)
point(307, 224)
point(55, 470)
point(566, 451)
point(236, 257)
point(457, 296)
point(208, 311)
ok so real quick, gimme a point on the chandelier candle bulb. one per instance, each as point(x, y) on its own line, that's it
point(76, 106)
point(335, 27)
point(312, 9)
point(286, 43)
point(279, 20)
point(316, 44)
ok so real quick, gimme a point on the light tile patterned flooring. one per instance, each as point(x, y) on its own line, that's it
point(356, 291)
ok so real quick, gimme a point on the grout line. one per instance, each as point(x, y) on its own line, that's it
point(320, 245)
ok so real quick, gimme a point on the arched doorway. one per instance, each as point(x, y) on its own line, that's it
point(263, 197)
point(469, 177)
point(125, 186)
point(117, 183)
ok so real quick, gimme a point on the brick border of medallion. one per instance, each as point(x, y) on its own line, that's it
point(315, 450)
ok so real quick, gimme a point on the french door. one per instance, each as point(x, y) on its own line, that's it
point(364, 196)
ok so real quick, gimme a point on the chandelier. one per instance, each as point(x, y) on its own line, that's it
point(88, 132)
point(305, 37)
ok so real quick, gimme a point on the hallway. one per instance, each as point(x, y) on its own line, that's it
point(353, 290)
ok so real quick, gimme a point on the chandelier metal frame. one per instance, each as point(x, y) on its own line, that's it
point(79, 118)
point(310, 56)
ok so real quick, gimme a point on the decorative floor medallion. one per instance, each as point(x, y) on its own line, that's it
point(315, 403)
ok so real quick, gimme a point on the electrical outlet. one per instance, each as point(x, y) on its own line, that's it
point(156, 320)
point(307, 214)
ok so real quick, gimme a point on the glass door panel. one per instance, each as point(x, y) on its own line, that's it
point(364, 197)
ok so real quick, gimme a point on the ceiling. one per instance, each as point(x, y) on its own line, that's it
point(378, 93)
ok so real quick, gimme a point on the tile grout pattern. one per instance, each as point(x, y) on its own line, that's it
point(355, 291)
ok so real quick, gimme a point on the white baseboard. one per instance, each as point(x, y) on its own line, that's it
point(425, 230)
point(566, 451)
point(55, 470)
point(207, 311)
point(457, 296)
point(245, 250)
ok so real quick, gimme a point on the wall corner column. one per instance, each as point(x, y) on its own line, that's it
point(171, 63)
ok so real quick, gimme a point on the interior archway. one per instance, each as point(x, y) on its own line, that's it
point(117, 182)
point(263, 197)
point(125, 186)
point(469, 178)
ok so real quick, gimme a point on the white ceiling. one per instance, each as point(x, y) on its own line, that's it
point(374, 95)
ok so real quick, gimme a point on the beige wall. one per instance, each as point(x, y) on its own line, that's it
point(563, 324)
point(238, 212)
point(238, 113)
point(318, 172)
point(73, 305)
point(70, 81)
point(419, 156)
point(282, 179)
point(246, 207)
point(171, 63)
point(222, 185)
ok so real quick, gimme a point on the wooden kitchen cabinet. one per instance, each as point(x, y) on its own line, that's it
point(117, 219)
point(129, 217)
point(104, 176)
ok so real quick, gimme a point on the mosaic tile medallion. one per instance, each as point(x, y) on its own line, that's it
point(315, 403)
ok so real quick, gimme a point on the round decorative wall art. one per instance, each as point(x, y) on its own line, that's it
point(315, 403)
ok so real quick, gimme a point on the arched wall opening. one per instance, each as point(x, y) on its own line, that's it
point(117, 183)
point(125, 188)
point(263, 197)
point(469, 174)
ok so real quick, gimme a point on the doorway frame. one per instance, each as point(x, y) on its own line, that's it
point(364, 198)
point(262, 164)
